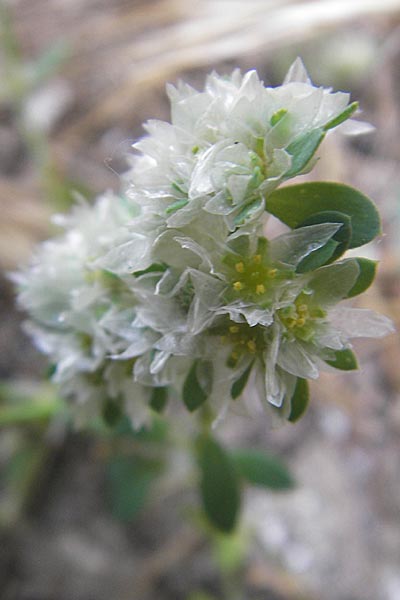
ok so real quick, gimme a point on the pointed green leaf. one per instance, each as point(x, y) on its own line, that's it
point(318, 258)
point(247, 212)
point(153, 268)
point(112, 412)
point(193, 394)
point(219, 486)
point(334, 248)
point(296, 203)
point(277, 116)
point(239, 385)
point(333, 282)
point(365, 277)
point(300, 400)
point(176, 206)
point(262, 470)
point(303, 149)
point(159, 399)
point(130, 479)
point(346, 114)
point(345, 360)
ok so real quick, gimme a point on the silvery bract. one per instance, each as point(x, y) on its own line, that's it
point(171, 289)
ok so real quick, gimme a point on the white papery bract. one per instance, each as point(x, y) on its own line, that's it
point(173, 285)
point(256, 311)
point(82, 316)
point(229, 145)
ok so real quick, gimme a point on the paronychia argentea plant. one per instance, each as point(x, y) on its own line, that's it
point(170, 289)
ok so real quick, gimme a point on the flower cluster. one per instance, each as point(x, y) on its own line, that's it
point(172, 290)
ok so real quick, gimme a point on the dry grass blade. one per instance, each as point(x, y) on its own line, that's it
point(204, 33)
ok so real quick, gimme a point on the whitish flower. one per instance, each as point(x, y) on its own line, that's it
point(230, 145)
point(255, 312)
point(81, 316)
point(174, 285)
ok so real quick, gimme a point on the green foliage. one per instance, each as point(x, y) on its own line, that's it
point(247, 212)
point(365, 277)
point(239, 385)
point(176, 206)
point(137, 461)
point(334, 248)
point(130, 479)
point(262, 470)
point(346, 114)
point(112, 412)
point(21, 406)
point(219, 485)
point(159, 399)
point(156, 433)
point(344, 360)
point(303, 149)
point(193, 393)
point(296, 203)
point(20, 473)
point(300, 400)
point(230, 550)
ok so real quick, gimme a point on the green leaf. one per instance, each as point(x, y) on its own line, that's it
point(153, 268)
point(333, 282)
point(303, 149)
point(300, 400)
point(262, 470)
point(159, 399)
point(130, 479)
point(278, 116)
point(111, 412)
point(296, 203)
point(219, 486)
point(318, 258)
point(346, 114)
point(193, 394)
point(156, 432)
point(176, 206)
point(334, 248)
point(239, 385)
point(345, 360)
point(365, 277)
point(19, 405)
point(247, 212)
point(230, 551)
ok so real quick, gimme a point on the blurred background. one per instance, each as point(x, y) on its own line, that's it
point(77, 79)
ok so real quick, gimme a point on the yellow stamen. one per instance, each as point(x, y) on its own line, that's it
point(238, 285)
point(300, 322)
point(291, 322)
point(272, 273)
point(260, 289)
point(302, 309)
point(252, 346)
point(239, 267)
point(234, 328)
point(257, 259)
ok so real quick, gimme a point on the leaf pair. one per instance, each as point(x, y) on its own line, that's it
point(131, 474)
point(222, 474)
point(307, 203)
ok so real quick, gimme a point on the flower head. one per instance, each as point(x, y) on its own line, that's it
point(174, 285)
